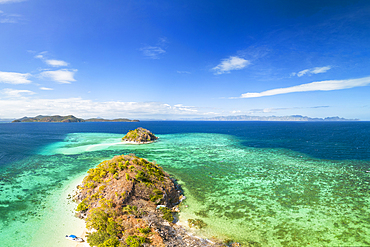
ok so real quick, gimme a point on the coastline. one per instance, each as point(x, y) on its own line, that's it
point(60, 219)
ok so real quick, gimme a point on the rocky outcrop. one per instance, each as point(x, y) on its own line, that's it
point(140, 135)
point(130, 201)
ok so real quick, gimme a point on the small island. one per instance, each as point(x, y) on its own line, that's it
point(67, 119)
point(139, 136)
point(129, 201)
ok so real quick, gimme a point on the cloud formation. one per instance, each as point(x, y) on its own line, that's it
point(152, 52)
point(46, 88)
point(22, 106)
point(51, 62)
point(14, 78)
point(9, 18)
point(62, 76)
point(316, 70)
point(231, 63)
point(56, 63)
point(313, 86)
point(14, 93)
point(183, 72)
point(10, 1)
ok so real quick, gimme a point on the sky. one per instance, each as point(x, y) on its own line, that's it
point(185, 59)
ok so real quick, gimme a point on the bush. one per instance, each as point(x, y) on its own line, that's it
point(112, 242)
point(83, 206)
point(130, 209)
point(135, 241)
point(167, 214)
point(145, 230)
point(97, 238)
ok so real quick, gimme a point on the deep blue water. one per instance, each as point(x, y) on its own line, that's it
point(276, 183)
point(323, 140)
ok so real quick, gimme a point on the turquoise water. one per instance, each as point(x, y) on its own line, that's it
point(273, 196)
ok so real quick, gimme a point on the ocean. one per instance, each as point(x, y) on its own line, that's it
point(258, 183)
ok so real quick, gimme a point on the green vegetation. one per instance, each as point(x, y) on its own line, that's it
point(140, 135)
point(82, 206)
point(130, 209)
point(116, 222)
point(157, 195)
point(145, 230)
point(167, 214)
point(197, 223)
point(135, 241)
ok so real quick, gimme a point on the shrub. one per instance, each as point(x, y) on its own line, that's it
point(97, 238)
point(167, 214)
point(97, 219)
point(145, 230)
point(130, 209)
point(135, 241)
point(111, 242)
point(83, 206)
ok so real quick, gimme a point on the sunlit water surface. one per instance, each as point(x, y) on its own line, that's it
point(270, 195)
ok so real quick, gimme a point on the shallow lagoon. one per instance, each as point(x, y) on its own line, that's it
point(272, 196)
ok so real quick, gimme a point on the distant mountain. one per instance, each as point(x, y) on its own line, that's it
point(275, 118)
point(67, 119)
point(108, 120)
point(6, 120)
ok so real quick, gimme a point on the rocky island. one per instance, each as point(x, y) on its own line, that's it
point(67, 119)
point(140, 136)
point(129, 201)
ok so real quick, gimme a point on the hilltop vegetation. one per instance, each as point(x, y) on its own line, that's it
point(67, 119)
point(140, 135)
point(119, 200)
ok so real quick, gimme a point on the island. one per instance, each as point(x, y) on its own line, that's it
point(293, 118)
point(139, 136)
point(67, 119)
point(129, 201)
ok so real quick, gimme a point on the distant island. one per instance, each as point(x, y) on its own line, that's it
point(67, 119)
point(140, 136)
point(274, 118)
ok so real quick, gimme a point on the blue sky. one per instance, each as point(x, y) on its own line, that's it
point(185, 59)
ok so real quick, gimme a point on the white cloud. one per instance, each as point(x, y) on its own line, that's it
point(56, 63)
point(316, 70)
point(18, 107)
point(231, 63)
point(61, 76)
point(9, 18)
point(303, 72)
point(313, 86)
point(46, 88)
point(13, 93)
point(152, 52)
point(51, 62)
point(14, 78)
point(10, 1)
point(183, 72)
